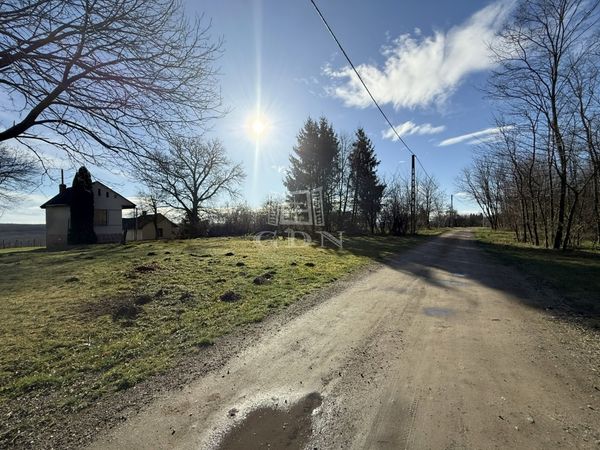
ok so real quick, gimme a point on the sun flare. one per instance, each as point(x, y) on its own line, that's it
point(258, 126)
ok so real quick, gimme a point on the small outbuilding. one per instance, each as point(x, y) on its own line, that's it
point(142, 228)
point(108, 215)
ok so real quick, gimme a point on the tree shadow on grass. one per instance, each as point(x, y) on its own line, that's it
point(381, 248)
point(573, 275)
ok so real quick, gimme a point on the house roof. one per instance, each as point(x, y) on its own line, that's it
point(64, 198)
point(61, 199)
point(143, 220)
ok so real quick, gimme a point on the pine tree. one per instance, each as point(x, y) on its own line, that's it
point(313, 162)
point(81, 230)
point(367, 187)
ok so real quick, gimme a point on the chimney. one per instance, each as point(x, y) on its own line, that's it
point(62, 187)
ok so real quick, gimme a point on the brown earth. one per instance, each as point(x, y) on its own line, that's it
point(443, 348)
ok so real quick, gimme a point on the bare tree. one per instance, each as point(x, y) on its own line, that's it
point(17, 173)
point(431, 196)
point(585, 87)
point(342, 178)
point(536, 54)
point(484, 183)
point(104, 77)
point(395, 213)
point(192, 174)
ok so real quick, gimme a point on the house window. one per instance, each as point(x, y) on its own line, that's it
point(100, 217)
point(107, 194)
point(160, 232)
point(99, 192)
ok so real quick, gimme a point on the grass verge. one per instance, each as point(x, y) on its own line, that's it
point(574, 275)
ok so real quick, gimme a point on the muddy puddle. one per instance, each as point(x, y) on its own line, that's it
point(438, 312)
point(274, 428)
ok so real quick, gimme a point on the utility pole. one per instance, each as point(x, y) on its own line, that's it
point(451, 210)
point(413, 199)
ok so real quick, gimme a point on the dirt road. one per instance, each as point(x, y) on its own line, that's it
point(442, 349)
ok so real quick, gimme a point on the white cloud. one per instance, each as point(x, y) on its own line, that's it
point(477, 137)
point(409, 128)
point(424, 70)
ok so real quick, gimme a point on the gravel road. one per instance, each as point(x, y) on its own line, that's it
point(442, 348)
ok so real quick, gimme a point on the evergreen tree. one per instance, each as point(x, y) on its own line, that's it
point(81, 230)
point(313, 162)
point(367, 187)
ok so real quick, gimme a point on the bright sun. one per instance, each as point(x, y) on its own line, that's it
point(258, 126)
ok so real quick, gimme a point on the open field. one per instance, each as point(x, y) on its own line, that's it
point(575, 275)
point(78, 324)
point(19, 235)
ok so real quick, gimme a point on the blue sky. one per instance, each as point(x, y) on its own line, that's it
point(425, 61)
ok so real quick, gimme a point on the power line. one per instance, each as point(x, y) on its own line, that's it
point(366, 87)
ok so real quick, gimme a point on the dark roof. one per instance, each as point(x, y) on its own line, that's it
point(64, 198)
point(60, 199)
point(142, 221)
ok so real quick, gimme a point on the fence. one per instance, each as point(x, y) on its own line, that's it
point(16, 243)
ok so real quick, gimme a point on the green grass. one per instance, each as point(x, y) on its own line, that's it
point(575, 275)
point(78, 324)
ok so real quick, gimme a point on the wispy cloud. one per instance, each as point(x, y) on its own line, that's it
point(25, 209)
point(279, 169)
point(477, 137)
point(424, 70)
point(409, 128)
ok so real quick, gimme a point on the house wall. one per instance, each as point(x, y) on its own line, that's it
point(57, 225)
point(169, 231)
point(131, 236)
point(113, 230)
point(147, 232)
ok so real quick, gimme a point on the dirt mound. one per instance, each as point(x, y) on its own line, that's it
point(230, 296)
point(144, 268)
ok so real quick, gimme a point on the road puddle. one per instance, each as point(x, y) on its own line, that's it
point(274, 428)
point(438, 312)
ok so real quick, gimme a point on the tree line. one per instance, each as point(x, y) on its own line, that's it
point(345, 170)
point(541, 176)
point(355, 198)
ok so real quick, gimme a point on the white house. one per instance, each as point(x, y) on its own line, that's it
point(108, 213)
point(142, 227)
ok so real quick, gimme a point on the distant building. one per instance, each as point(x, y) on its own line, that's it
point(108, 214)
point(145, 227)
